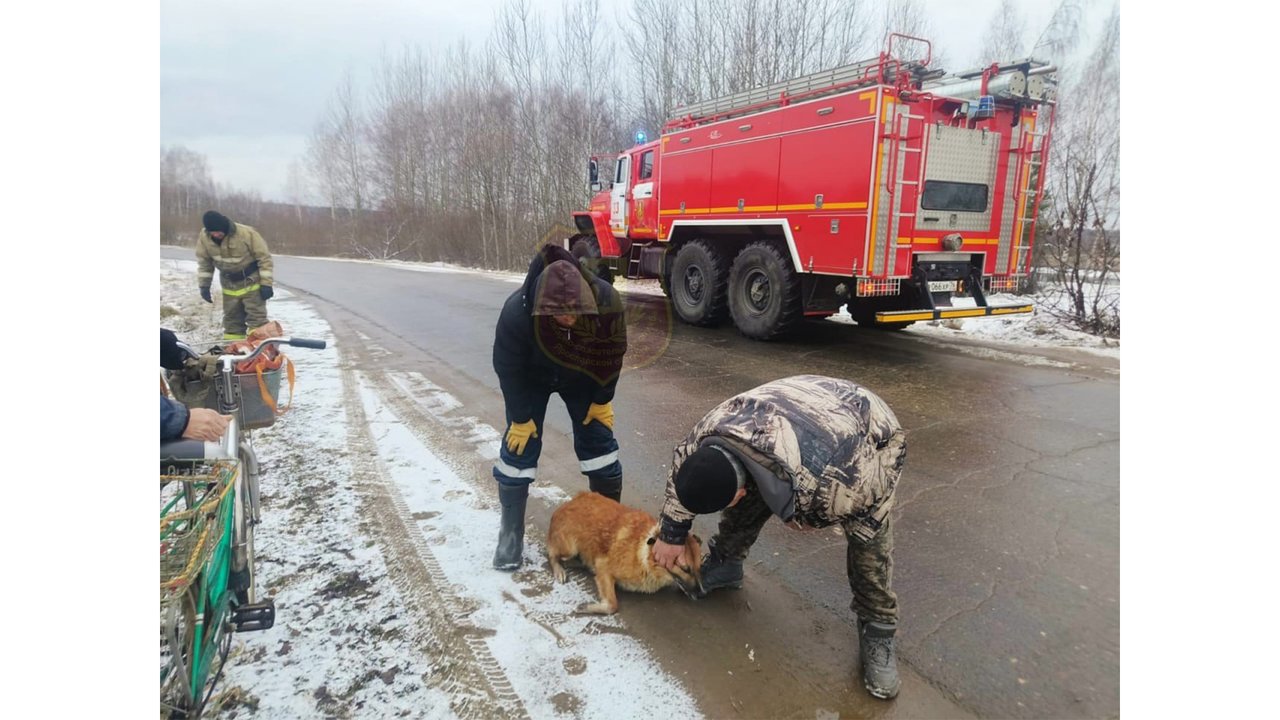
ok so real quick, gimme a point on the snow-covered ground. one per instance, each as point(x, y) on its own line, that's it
point(1037, 330)
point(355, 636)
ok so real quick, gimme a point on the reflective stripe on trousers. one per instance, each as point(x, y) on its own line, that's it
point(594, 444)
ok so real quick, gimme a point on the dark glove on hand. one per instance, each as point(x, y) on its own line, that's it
point(204, 293)
point(171, 355)
point(266, 292)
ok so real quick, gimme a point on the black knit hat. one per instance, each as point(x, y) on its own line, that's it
point(215, 221)
point(706, 481)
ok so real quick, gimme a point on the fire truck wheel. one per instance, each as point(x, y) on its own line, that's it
point(587, 251)
point(699, 283)
point(764, 292)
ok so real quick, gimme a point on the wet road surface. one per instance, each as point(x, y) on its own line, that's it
point(1006, 522)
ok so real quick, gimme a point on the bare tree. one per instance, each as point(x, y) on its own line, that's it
point(295, 188)
point(908, 17)
point(682, 52)
point(1005, 36)
point(1061, 35)
point(1080, 245)
point(186, 191)
point(337, 151)
point(242, 206)
point(470, 157)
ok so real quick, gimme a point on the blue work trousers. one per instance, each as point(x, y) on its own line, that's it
point(594, 444)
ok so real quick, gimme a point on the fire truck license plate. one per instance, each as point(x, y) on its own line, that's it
point(942, 285)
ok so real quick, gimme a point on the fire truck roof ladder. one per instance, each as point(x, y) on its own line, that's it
point(825, 82)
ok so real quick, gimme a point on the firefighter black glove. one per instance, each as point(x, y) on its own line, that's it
point(171, 356)
point(266, 292)
point(204, 293)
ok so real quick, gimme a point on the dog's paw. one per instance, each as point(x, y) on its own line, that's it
point(559, 574)
point(597, 608)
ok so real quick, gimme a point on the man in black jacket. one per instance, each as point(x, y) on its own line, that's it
point(562, 332)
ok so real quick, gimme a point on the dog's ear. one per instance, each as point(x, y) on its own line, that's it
point(652, 540)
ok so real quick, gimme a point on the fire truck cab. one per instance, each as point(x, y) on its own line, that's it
point(883, 185)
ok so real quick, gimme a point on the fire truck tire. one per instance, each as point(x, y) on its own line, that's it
point(764, 292)
point(587, 250)
point(699, 283)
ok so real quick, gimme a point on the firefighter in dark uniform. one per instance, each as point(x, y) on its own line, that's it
point(244, 271)
point(815, 451)
point(562, 332)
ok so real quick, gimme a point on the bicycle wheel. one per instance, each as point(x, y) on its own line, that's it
point(177, 653)
point(244, 580)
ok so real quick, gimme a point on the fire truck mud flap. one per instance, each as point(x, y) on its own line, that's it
point(897, 316)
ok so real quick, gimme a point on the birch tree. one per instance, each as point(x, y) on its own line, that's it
point(1005, 36)
point(1081, 214)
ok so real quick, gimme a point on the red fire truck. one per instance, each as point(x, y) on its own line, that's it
point(883, 185)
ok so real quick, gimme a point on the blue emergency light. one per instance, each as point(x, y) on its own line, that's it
point(640, 137)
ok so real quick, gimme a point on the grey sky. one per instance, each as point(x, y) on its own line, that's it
point(244, 81)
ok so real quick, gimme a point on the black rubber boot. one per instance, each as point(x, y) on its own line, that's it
point(610, 487)
point(719, 572)
point(510, 551)
point(879, 658)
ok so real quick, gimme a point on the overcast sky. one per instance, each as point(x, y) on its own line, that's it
point(244, 81)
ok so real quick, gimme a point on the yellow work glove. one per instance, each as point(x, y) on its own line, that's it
point(603, 413)
point(518, 436)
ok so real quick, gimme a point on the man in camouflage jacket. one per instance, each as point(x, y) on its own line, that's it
point(244, 266)
point(815, 451)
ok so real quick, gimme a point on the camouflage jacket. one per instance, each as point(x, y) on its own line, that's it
point(243, 250)
point(838, 445)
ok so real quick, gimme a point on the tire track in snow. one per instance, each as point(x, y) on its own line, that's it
point(466, 668)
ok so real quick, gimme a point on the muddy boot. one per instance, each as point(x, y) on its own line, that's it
point(610, 487)
point(511, 534)
point(720, 572)
point(879, 658)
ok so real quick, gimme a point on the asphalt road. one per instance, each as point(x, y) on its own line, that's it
point(1007, 516)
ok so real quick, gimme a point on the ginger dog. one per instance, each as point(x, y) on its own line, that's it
point(616, 543)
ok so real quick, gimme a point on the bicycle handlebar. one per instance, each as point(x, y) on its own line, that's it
point(295, 342)
point(305, 343)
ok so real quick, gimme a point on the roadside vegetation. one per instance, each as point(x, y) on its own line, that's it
point(473, 155)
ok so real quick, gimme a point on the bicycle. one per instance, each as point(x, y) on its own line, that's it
point(209, 508)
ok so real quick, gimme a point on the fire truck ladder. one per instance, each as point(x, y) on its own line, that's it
point(899, 142)
point(807, 87)
point(633, 261)
point(1030, 153)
